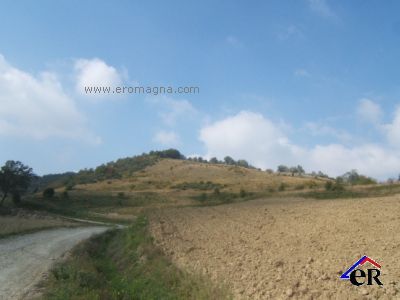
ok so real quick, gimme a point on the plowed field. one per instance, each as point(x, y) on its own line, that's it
point(286, 248)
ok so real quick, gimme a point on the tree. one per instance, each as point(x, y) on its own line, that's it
point(282, 168)
point(243, 163)
point(229, 160)
point(48, 193)
point(353, 177)
point(169, 153)
point(214, 160)
point(293, 170)
point(15, 179)
point(300, 169)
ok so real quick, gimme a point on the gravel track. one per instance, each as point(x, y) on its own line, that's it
point(26, 258)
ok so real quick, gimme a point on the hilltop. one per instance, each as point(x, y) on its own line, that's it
point(164, 178)
point(172, 175)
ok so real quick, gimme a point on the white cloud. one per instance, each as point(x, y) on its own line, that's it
point(37, 107)
point(317, 129)
point(264, 144)
point(369, 111)
point(371, 159)
point(167, 138)
point(95, 73)
point(392, 130)
point(288, 32)
point(172, 109)
point(234, 41)
point(251, 136)
point(321, 8)
point(301, 73)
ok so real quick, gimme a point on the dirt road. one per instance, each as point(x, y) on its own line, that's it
point(24, 259)
point(289, 248)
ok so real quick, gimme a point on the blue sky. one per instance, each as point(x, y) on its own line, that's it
point(311, 82)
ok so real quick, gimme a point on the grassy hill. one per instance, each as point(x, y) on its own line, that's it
point(171, 182)
point(171, 174)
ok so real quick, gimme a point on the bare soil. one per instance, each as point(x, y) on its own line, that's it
point(286, 248)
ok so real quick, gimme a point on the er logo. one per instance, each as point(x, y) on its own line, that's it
point(359, 277)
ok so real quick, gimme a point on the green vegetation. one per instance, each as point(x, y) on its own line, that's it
point(81, 204)
point(294, 170)
point(337, 185)
point(352, 177)
point(124, 167)
point(125, 264)
point(348, 191)
point(202, 186)
point(120, 168)
point(217, 197)
point(48, 193)
point(15, 179)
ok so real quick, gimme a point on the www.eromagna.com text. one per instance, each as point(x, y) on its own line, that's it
point(153, 90)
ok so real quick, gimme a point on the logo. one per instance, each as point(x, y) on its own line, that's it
point(358, 277)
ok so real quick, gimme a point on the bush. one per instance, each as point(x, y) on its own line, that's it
point(203, 197)
point(242, 193)
point(282, 187)
point(69, 187)
point(48, 193)
point(312, 184)
point(62, 272)
point(216, 191)
point(204, 186)
point(328, 185)
point(334, 186)
point(16, 197)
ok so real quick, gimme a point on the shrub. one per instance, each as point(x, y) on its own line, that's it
point(203, 197)
point(328, 185)
point(198, 185)
point(120, 195)
point(16, 197)
point(338, 186)
point(216, 191)
point(69, 186)
point(62, 272)
point(242, 193)
point(48, 193)
point(312, 184)
point(334, 186)
point(282, 187)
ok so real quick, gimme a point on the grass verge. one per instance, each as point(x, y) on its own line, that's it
point(125, 264)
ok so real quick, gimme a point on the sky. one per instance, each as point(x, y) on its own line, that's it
point(309, 82)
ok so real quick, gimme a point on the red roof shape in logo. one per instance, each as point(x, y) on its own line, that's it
point(360, 262)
